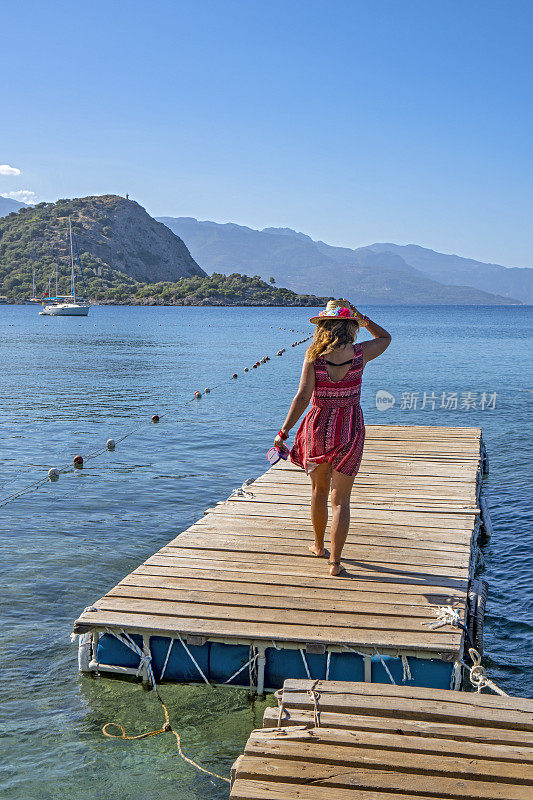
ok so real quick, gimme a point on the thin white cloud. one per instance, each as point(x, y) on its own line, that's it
point(23, 195)
point(5, 169)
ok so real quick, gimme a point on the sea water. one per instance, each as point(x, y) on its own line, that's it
point(70, 384)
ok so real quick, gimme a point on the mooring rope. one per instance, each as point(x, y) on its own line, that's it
point(385, 667)
point(315, 697)
point(406, 669)
point(253, 659)
point(279, 695)
point(478, 674)
point(306, 666)
point(312, 693)
point(167, 728)
point(146, 662)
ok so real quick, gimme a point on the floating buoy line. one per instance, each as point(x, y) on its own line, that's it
point(79, 460)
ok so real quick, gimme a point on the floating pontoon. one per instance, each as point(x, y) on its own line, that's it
point(237, 598)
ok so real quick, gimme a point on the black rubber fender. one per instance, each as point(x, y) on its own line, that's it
point(477, 600)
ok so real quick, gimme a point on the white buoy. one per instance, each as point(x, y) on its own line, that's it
point(207, 390)
point(110, 444)
point(53, 474)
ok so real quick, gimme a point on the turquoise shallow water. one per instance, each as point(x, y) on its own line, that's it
point(68, 385)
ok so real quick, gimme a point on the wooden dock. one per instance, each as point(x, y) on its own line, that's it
point(359, 741)
point(243, 574)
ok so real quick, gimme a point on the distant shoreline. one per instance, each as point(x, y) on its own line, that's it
point(240, 304)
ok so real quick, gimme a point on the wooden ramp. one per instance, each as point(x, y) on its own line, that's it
point(243, 573)
point(359, 741)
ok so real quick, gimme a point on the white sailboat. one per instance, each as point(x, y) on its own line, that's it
point(33, 299)
point(66, 305)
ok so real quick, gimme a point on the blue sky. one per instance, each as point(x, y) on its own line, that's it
point(352, 121)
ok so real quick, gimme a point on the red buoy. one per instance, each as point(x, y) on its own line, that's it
point(155, 418)
point(197, 395)
point(78, 462)
point(234, 375)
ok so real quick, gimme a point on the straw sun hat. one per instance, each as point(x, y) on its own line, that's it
point(336, 309)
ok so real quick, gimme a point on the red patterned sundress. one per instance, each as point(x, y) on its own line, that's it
point(333, 429)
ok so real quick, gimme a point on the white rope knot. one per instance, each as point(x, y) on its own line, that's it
point(478, 675)
point(243, 491)
point(145, 659)
point(315, 696)
point(446, 615)
point(279, 695)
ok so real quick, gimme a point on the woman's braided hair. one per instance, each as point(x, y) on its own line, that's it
point(332, 332)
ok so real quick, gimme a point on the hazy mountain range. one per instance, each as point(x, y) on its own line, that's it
point(121, 241)
point(7, 205)
point(379, 273)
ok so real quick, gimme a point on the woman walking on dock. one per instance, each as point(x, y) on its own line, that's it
point(329, 441)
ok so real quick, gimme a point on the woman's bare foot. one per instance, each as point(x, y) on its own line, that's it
point(317, 551)
point(335, 568)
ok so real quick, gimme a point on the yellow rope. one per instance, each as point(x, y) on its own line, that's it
point(167, 728)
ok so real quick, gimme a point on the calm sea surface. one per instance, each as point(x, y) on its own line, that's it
point(68, 385)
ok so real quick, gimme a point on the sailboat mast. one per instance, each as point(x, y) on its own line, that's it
point(33, 282)
point(56, 280)
point(72, 280)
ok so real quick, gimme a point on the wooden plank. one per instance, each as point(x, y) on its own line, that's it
point(392, 578)
point(405, 708)
point(218, 592)
point(159, 624)
point(173, 603)
point(405, 743)
point(391, 531)
point(298, 586)
point(385, 466)
point(457, 787)
point(319, 749)
point(359, 532)
point(389, 625)
point(459, 521)
point(354, 690)
point(307, 562)
point(354, 537)
point(417, 518)
point(244, 789)
point(250, 544)
point(418, 728)
point(442, 494)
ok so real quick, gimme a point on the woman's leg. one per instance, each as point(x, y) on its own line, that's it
point(341, 487)
point(320, 481)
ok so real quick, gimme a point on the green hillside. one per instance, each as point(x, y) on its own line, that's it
point(126, 255)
